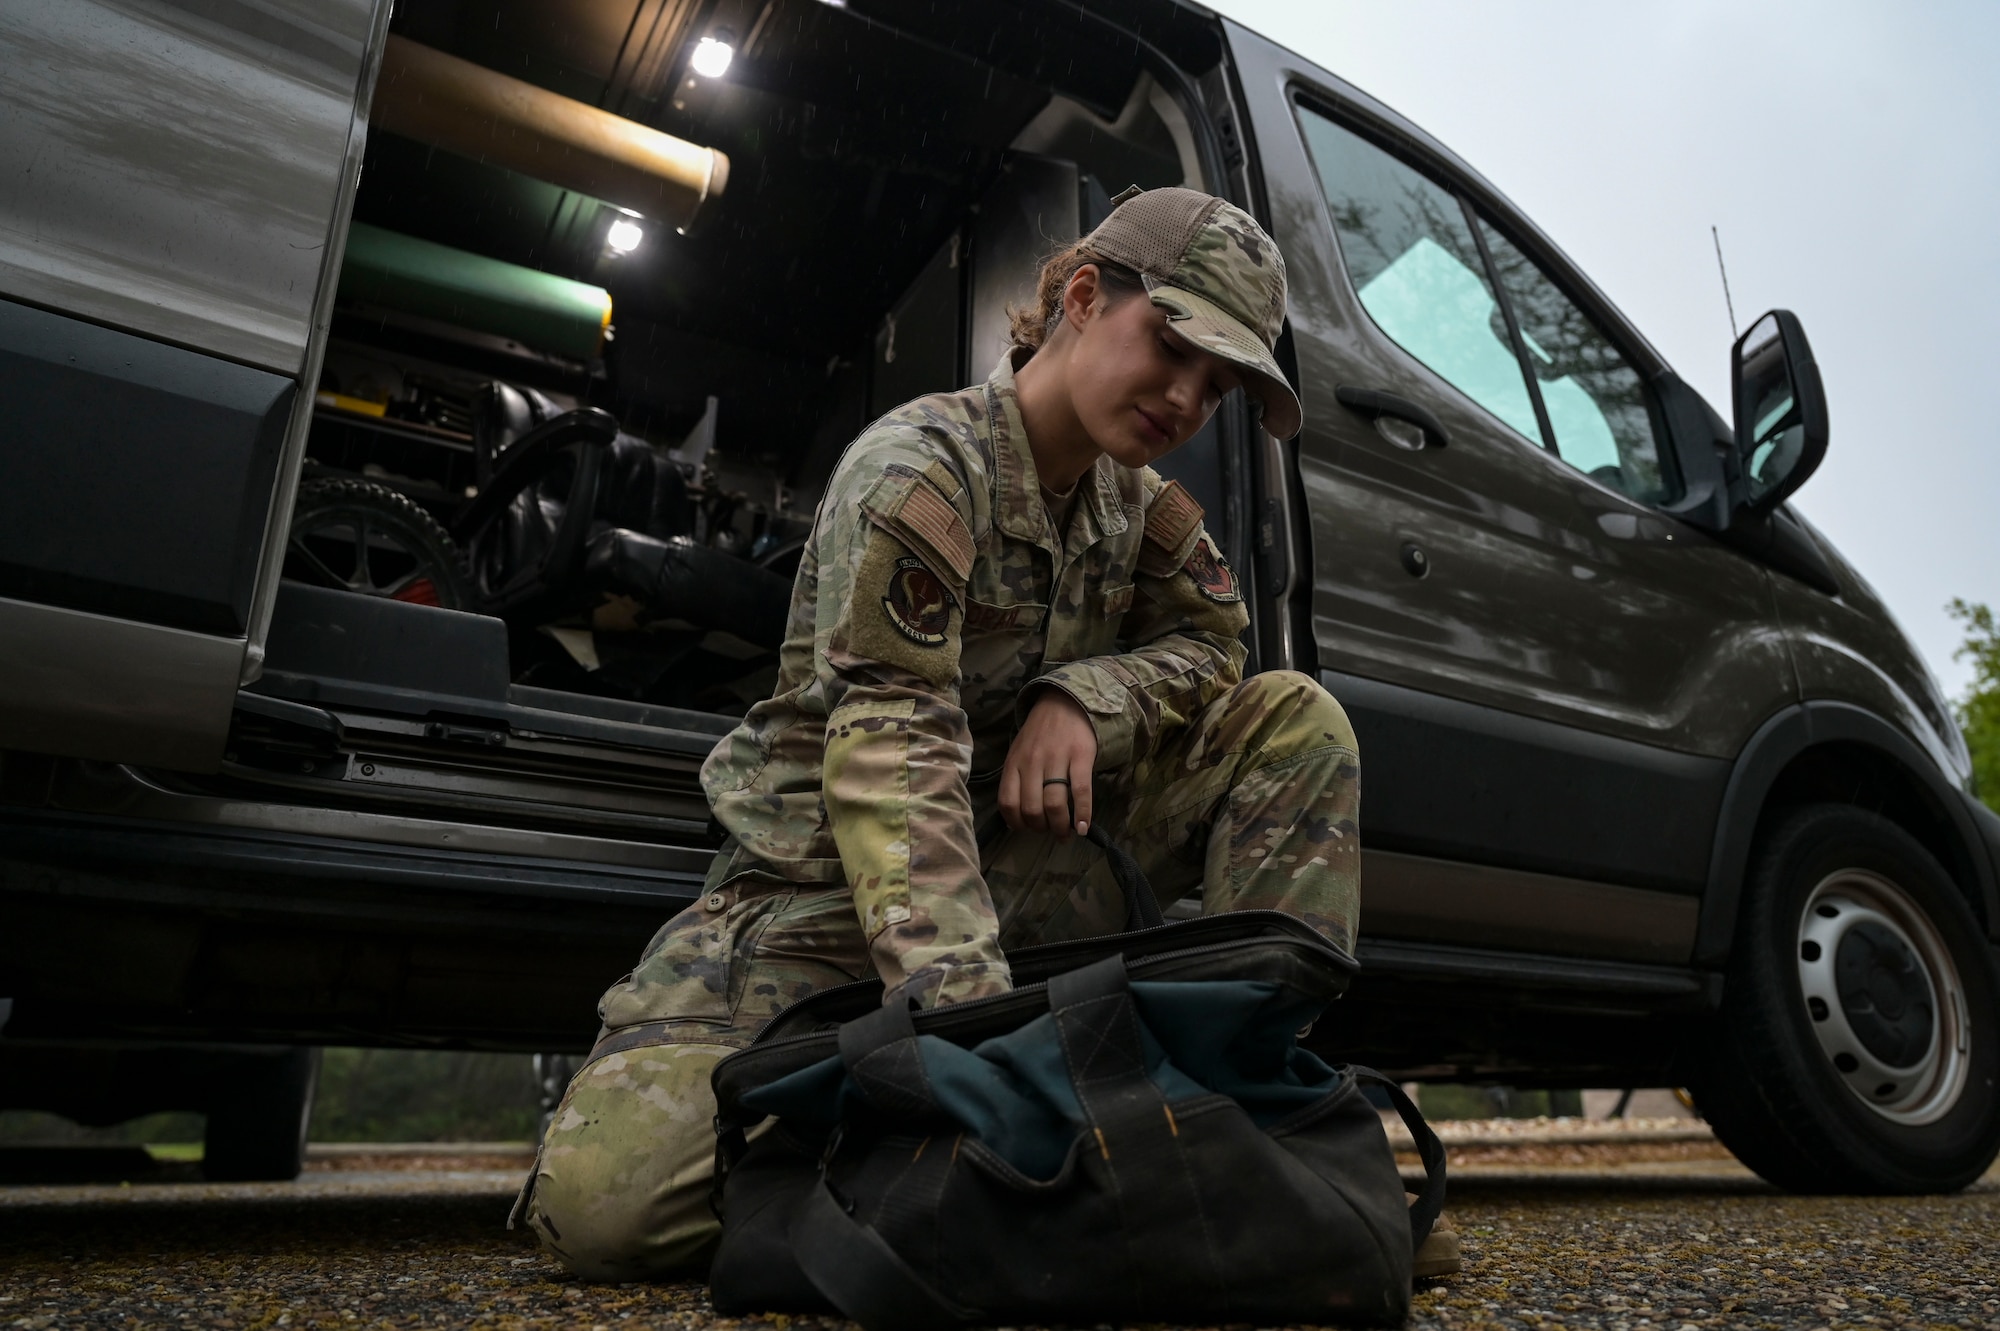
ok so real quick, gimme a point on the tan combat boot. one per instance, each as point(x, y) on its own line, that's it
point(1438, 1255)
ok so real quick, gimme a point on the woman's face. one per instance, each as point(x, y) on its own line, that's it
point(1139, 389)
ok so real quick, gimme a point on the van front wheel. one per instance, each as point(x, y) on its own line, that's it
point(1858, 1045)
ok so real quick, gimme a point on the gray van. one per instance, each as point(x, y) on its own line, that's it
point(413, 420)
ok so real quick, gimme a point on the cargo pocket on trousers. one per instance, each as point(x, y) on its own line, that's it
point(696, 968)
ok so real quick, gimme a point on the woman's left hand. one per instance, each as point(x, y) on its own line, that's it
point(1057, 740)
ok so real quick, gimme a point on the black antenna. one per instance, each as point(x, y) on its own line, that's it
point(1723, 269)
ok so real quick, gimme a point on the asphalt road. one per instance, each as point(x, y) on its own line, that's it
point(1685, 1239)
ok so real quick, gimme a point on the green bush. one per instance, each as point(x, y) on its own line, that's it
point(365, 1095)
point(33, 1127)
point(417, 1095)
point(1979, 710)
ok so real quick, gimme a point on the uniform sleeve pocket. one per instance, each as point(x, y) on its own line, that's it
point(866, 785)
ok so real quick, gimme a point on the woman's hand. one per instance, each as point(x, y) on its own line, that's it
point(1057, 740)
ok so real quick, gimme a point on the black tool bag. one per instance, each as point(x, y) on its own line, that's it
point(1132, 1134)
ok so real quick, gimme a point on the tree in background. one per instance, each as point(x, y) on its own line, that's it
point(365, 1095)
point(1979, 710)
point(415, 1095)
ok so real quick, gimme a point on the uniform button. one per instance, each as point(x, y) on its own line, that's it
point(716, 901)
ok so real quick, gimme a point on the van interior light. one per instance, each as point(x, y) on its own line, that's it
point(711, 57)
point(624, 236)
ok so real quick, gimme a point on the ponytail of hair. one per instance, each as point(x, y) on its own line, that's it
point(1033, 325)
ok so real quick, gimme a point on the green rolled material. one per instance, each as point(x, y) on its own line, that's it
point(433, 281)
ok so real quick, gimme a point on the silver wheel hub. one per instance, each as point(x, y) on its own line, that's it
point(1883, 997)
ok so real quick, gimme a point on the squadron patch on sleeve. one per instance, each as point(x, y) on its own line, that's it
point(1211, 573)
point(898, 610)
point(918, 605)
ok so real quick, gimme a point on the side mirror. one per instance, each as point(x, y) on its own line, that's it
point(1780, 412)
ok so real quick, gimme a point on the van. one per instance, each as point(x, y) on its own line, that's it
point(415, 418)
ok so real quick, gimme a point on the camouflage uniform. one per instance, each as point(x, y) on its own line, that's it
point(933, 604)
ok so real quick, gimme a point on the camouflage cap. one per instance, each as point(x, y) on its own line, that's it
point(1219, 277)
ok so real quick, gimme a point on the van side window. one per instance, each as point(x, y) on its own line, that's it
point(1414, 262)
point(1411, 255)
point(1596, 402)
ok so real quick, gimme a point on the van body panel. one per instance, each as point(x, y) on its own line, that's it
point(184, 171)
point(1847, 648)
point(91, 686)
point(138, 474)
point(1543, 591)
point(1448, 901)
point(1461, 781)
point(177, 165)
point(1561, 688)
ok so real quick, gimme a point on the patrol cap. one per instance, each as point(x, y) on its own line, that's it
point(1218, 276)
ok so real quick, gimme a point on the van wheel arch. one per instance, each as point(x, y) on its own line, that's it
point(1828, 752)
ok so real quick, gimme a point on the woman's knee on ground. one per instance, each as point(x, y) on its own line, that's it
point(621, 1185)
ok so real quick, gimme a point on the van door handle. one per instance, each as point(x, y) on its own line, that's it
point(1373, 402)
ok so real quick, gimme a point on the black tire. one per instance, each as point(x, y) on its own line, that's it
point(258, 1118)
point(1858, 1045)
point(358, 536)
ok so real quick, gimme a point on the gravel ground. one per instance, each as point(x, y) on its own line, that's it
point(1622, 1243)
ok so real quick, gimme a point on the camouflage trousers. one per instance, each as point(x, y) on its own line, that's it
point(1252, 805)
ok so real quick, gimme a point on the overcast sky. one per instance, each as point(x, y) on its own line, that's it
point(1850, 154)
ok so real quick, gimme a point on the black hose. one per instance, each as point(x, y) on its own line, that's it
point(678, 579)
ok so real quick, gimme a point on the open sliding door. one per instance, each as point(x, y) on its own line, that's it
point(180, 177)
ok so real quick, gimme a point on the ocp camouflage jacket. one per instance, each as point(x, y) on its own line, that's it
point(932, 593)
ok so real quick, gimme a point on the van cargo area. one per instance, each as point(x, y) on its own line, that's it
point(606, 318)
point(565, 452)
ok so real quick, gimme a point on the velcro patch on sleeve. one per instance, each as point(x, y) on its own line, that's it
point(902, 614)
point(1173, 521)
point(910, 508)
point(1212, 575)
point(940, 476)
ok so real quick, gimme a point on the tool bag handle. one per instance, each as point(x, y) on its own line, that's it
point(1424, 1212)
point(1142, 908)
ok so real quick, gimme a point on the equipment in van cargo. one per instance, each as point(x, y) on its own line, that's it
point(451, 103)
point(433, 281)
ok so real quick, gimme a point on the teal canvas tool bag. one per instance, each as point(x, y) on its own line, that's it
point(1132, 1134)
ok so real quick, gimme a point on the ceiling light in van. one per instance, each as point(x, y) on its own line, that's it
point(711, 57)
point(624, 236)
